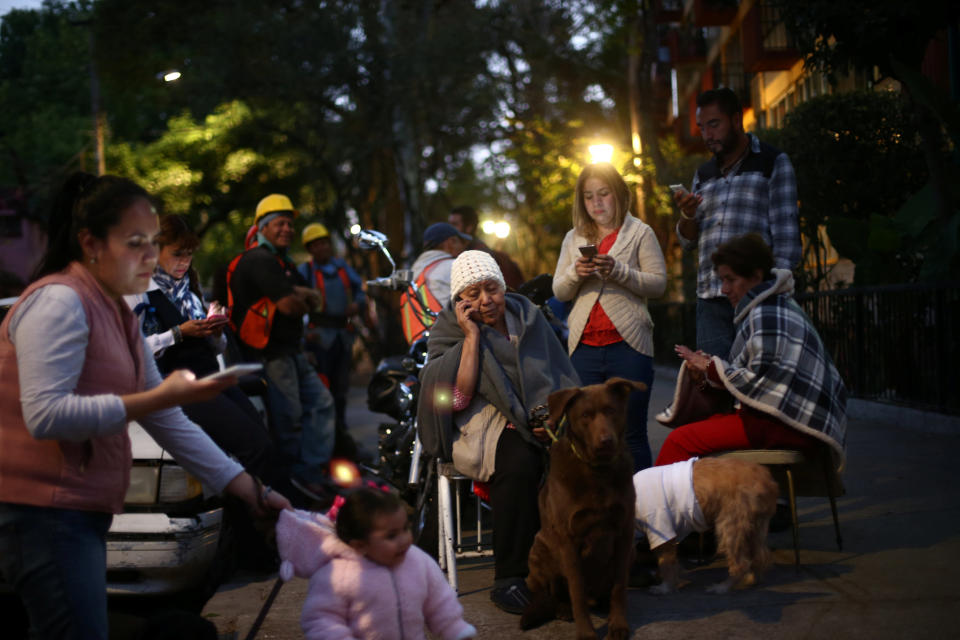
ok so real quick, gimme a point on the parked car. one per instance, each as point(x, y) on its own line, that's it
point(170, 539)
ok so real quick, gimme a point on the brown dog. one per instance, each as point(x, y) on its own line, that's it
point(735, 497)
point(585, 545)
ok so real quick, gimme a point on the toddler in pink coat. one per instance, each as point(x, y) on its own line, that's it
point(366, 580)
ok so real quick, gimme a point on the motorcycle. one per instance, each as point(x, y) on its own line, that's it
point(394, 390)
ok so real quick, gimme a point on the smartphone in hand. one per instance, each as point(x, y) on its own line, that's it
point(588, 250)
point(679, 189)
point(236, 370)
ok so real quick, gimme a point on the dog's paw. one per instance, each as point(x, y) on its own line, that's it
point(719, 588)
point(540, 610)
point(662, 589)
point(618, 632)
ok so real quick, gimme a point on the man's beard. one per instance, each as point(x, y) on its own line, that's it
point(727, 146)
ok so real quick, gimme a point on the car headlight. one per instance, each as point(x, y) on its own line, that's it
point(143, 485)
point(177, 485)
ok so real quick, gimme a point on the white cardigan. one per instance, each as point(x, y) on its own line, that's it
point(639, 273)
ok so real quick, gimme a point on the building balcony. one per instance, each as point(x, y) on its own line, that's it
point(714, 13)
point(767, 45)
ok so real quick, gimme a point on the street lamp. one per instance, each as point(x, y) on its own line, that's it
point(169, 76)
point(600, 153)
point(499, 228)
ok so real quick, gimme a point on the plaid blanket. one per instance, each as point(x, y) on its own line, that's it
point(782, 368)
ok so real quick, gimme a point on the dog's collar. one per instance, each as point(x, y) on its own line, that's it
point(555, 438)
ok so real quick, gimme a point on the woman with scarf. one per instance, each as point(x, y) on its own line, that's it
point(790, 395)
point(180, 336)
point(492, 361)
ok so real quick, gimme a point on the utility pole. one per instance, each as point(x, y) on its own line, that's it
point(635, 45)
point(98, 117)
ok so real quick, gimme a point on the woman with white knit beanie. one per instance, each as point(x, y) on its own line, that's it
point(493, 360)
point(610, 264)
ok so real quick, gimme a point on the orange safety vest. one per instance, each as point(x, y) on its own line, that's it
point(255, 326)
point(321, 286)
point(413, 318)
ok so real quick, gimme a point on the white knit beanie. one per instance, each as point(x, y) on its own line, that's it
point(472, 267)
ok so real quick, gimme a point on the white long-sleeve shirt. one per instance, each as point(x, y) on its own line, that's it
point(50, 332)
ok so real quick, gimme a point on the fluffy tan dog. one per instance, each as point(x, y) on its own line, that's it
point(734, 497)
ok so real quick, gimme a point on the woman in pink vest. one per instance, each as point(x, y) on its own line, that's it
point(72, 375)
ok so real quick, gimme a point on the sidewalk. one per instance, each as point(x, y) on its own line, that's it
point(900, 521)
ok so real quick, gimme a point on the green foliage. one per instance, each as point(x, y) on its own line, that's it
point(854, 154)
point(857, 160)
point(44, 99)
point(893, 36)
point(837, 37)
point(388, 112)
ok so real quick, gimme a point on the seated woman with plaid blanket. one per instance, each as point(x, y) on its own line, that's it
point(788, 393)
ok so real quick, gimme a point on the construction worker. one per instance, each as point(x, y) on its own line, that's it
point(431, 274)
point(269, 300)
point(330, 333)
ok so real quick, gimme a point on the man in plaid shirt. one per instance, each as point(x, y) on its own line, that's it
point(747, 186)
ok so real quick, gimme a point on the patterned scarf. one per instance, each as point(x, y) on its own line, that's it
point(178, 292)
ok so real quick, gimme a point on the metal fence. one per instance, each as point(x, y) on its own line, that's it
point(898, 343)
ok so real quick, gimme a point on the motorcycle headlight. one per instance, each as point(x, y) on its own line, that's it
point(144, 481)
point(177, 485)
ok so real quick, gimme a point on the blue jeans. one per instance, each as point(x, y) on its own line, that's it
point(335, 361)
point(595, 365)
point(715, 326)
point(56, 560)
point(301, 415)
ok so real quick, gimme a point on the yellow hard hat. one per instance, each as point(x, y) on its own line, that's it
point(314, 231)
point(273, 203)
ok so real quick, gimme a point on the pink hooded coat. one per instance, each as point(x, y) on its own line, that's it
point(351, 597)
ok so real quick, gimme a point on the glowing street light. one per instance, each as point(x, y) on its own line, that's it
point(499, 228)
point(169, 76)
point(600, 153)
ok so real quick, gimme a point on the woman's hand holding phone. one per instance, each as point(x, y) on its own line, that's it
point(584, 265)
point(604, 264)
point(467, 316)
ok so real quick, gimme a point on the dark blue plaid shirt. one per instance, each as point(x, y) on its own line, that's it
point(760, 195)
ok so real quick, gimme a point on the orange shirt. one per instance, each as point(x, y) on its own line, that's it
point(600, 331)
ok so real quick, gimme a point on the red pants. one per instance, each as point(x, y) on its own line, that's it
point(744, 429)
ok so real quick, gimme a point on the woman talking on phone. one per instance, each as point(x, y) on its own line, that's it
point(73, 374)
point(181, 335)
point(610, 264)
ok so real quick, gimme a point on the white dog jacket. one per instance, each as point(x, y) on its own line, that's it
point(667, 507)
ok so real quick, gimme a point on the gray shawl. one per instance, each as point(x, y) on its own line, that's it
point(514, 377)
